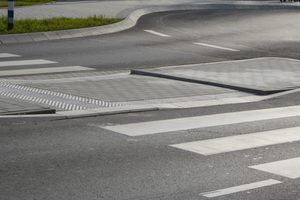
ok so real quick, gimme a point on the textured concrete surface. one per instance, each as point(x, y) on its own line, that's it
point(262, 75)
point(114, 93)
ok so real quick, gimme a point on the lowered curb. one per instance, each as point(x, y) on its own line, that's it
point(8, 119)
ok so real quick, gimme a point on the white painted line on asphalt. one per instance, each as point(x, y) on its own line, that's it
point(145, 128)
point(43, 70)
point(241, 142)
point(25, 62)
point(8, 55)
point(217, 47)
point(288, 168)
point(157, 33)
point(240, 188)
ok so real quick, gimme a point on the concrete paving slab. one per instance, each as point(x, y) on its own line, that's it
point(86, 32)
point(64, 34)
point(261, 76)
point(23, 38)
point(8, 39)
point(8, 119)
point(78, 113)
point(38, 36)
point(11, 106)
point(51, 35)
point(129, 88)
point(75, 33)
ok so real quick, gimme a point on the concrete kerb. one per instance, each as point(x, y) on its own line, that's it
point(132, 19)
point(6, 119)
point(208, 82)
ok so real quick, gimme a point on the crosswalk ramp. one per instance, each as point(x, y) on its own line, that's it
point(59, 100)
point(288, 168)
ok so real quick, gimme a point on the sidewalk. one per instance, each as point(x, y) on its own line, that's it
point(96, 93)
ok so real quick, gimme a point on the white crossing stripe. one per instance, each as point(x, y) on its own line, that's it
point(25, 62)
point(43, 70)
point(157, 33)
point(216, 47)
point(241, 142)
point(8, 55)
point(144, 128)
point(288, 168)
point(240, 188)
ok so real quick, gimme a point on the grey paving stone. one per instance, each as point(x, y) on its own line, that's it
point(15, 106)
point(38, 36)
point(51, 35)
point(86, 32)
point(75, 33)
point(133, 88)
point(96, 31)
point(264, 75)
point(64, 34)
point(23, 38)
point(7, 39)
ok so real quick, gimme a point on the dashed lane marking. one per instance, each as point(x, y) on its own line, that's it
point(8, 55)
point(157, 33)
point(25, 62)
point(240, 188)
point(214, 46)
point(44, 70)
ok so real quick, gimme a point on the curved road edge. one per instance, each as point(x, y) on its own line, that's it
point(133, 17)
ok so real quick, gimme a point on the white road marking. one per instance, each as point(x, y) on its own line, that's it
point(217, 47)
point(288, 168)
point(8, 55)
point(43, 70)
point(25, 62)
point(240, 188)
point(241, 142)
point(145, 128)
point(157, 33)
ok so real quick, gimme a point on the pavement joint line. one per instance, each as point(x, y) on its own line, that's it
point(132, 17)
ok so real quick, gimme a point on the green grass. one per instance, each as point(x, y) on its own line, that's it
point(25, 2)
point(54, 24)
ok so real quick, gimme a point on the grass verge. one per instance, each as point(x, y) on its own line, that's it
point(54, 24)
point(25, 2)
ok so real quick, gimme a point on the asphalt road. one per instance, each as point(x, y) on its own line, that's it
point(80, 159)
point(252, 33)
point(85, 159)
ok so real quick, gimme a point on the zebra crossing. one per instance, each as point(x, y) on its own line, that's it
point(287, 168)
point(47, 97)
